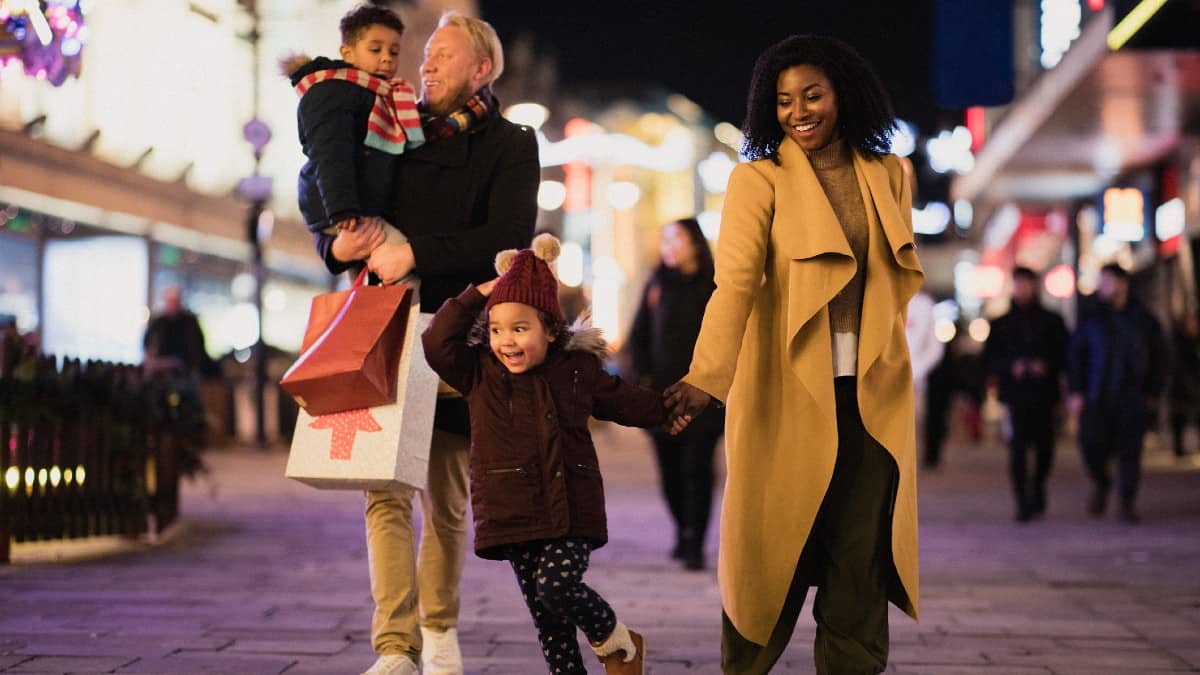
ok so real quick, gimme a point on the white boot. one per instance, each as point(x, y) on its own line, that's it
point(623, 652)
point(393, 664)
point(441, 654)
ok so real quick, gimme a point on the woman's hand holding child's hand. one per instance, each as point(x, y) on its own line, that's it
point(684, 400)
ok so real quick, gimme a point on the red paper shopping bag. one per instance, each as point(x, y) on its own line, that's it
point(351, 349)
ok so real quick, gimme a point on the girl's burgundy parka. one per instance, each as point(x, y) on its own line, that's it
point(533, 468)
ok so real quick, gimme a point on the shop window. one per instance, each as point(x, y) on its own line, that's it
point(95, 297)
point(18, 282)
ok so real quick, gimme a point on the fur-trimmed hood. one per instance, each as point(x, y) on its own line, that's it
point(296, 67)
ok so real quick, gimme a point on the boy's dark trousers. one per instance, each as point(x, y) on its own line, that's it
point(851, 600)
point(1032, 426)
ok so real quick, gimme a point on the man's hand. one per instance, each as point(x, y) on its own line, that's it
point(357, 243)
point(392, 262)
point(684, 400)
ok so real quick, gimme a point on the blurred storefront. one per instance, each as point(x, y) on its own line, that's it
point(127, 165)
point(1097, 159)
point(618, 162)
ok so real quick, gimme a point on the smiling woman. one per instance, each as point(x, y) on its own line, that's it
point(804, 338)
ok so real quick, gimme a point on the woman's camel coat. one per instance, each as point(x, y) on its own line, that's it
point(766, 350)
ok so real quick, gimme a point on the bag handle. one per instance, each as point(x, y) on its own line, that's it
point(361, 279)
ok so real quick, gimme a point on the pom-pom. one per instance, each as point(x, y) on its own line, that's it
point(504, 260)
point(547, 247)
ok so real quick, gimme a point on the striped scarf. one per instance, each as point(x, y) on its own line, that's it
point(394, 123)
point(474, 111)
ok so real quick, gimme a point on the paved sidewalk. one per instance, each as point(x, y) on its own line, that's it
point(267, 576)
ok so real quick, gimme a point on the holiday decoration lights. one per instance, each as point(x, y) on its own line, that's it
point(42, 38)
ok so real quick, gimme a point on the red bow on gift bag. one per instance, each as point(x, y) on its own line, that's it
point(351, 349)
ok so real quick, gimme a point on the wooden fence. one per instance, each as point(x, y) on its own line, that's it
point(91, 449)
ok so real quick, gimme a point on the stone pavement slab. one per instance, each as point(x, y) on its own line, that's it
point(268, 576)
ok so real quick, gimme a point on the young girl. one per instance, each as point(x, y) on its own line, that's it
point(536, 490)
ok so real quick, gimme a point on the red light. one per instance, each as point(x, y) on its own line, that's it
point(977, 125)
point(1095, 5)
point(577, 175)
point(1060, 282)
point(576, 126)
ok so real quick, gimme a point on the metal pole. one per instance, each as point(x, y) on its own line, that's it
point(256, 210)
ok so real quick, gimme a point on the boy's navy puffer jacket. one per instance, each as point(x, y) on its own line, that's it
point(343, 178)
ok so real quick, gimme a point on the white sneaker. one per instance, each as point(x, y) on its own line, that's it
point(392, 664)
point(441, 655)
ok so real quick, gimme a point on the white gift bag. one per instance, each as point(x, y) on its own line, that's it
point(376, 448)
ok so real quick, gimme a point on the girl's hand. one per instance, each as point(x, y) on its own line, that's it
point(486, 287)
point(679, 424)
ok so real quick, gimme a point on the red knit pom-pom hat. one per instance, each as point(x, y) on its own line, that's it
point(526, 276)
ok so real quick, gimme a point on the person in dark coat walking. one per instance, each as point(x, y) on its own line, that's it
point(469, 192)
point(1025, 356)
point(1116, 375)
point(174, 341)
point(661, 341)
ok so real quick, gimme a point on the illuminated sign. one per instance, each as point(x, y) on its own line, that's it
point(1060, 23)
point(1125, 214)
point(1169, 220)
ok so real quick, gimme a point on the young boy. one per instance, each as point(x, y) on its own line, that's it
point(536, 490)
point(355, 119)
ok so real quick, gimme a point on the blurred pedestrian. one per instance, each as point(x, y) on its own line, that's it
point(1025, 356)
point(924, 349)
point(1116, 375)
point(804, 339)
point(661, 341)
point(174, 340)
point(1184, 391)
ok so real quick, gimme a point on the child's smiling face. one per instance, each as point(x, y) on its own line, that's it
point(377, 51)
point(517, 336)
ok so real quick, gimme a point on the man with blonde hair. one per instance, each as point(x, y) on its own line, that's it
point(468, 193)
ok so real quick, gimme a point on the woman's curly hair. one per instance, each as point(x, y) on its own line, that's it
point(865, 116)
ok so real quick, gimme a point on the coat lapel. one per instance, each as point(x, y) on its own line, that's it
point(809, 239)
point(894, 273)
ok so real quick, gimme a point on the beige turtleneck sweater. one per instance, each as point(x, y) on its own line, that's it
point(834, 166)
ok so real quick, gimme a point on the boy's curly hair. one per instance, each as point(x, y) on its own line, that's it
point(359, 19)
point(865, 115)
